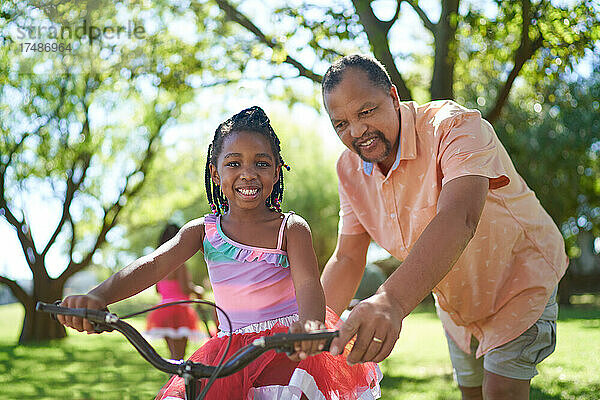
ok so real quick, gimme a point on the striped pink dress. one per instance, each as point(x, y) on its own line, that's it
point(254, 287)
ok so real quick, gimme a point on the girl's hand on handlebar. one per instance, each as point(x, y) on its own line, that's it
point(308, 347)
point(80, 301)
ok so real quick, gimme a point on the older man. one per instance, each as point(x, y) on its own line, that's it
point(433, 185)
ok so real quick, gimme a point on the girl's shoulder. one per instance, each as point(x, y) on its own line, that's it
point(195, 223)
point(296, 222)
point(296, 230)
point(193, 229)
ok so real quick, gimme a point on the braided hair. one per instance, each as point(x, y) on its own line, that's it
point(251, 119)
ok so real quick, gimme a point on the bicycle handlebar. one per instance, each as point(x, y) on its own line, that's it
point(107, 321)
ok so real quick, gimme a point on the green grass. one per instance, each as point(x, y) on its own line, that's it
point(107, 367)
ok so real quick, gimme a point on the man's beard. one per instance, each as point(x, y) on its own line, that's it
point(387, 144)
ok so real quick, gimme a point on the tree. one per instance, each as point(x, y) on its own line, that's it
point(512, 38)
point(493, 56)
point(513, 59)
point(554, 140)
point(83, 125)
point(562, 126)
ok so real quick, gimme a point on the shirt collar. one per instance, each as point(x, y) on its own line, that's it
point(407, 143)
point(368, 166)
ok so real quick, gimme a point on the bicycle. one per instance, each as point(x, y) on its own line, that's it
point(191, 372)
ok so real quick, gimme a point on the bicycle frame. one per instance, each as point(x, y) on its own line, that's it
point(191, 372)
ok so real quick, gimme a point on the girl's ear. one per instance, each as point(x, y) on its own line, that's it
point(214, 174)
point(276, 177)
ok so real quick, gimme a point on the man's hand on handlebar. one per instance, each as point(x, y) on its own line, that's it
point(80, 301)
point(308, 347)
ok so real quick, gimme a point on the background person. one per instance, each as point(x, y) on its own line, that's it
point(433, 185)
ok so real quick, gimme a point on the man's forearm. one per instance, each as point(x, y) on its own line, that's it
point(430, 259)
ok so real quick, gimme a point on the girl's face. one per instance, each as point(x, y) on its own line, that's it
point(246, 169)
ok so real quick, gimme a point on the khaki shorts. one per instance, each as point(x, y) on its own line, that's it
point(516, 359)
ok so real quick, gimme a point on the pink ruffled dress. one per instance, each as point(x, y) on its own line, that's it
point(175, 322)
point(254, 286)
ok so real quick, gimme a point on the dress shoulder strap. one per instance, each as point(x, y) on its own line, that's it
point(282, 228)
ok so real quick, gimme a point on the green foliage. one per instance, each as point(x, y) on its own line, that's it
point(554, 140)
point(174, 192)
point(488, 47)
point(80, 128)
point(503, 58)
point(91, 112)
point(311, 184)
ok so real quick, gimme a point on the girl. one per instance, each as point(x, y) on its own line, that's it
point(263, 271)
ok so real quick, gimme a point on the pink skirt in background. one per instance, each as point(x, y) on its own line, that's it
point(175, 322)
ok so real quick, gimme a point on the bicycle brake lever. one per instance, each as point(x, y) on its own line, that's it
point(288, 349)
point(99, 328)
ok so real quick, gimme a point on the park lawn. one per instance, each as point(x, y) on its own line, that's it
point(107, 367)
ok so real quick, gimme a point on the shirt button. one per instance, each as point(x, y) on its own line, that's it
point(392, 215)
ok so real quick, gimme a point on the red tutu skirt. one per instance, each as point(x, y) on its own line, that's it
point(175, 322)
point(274, 376)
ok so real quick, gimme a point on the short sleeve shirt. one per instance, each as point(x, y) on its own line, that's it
point(500, 284)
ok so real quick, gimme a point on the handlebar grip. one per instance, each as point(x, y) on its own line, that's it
point(97, 318)
point(284, 342)
point(44, 307)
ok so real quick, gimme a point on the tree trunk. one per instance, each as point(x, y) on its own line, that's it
point(377, 33)
point(38, 326)
point(445, 52)
point(564, 290)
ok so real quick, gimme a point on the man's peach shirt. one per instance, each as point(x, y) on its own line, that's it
point(499, 286)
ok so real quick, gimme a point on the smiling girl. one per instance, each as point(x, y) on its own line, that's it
point(263, 271)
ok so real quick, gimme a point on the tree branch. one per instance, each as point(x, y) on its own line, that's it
point(4, 166)
point(72, 239)
point(377, 34)
point(72, 187)
point(24, 235)
point(387, 25)
point(526, 50)
point(397, 12)
point(423, 15)
point(16, 290)
point(234, 15)
point(23, 230)
point(112, 212)
point(444, 35)
point(72, 184)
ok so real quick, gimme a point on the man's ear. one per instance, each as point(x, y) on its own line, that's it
point(395, 97)
point(214, 175)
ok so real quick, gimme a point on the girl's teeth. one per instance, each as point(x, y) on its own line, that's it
point(248, 192)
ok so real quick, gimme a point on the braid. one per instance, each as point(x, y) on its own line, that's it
point(212, 190)
point(252, 119)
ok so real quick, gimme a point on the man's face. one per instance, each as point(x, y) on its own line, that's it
point(365, 116)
